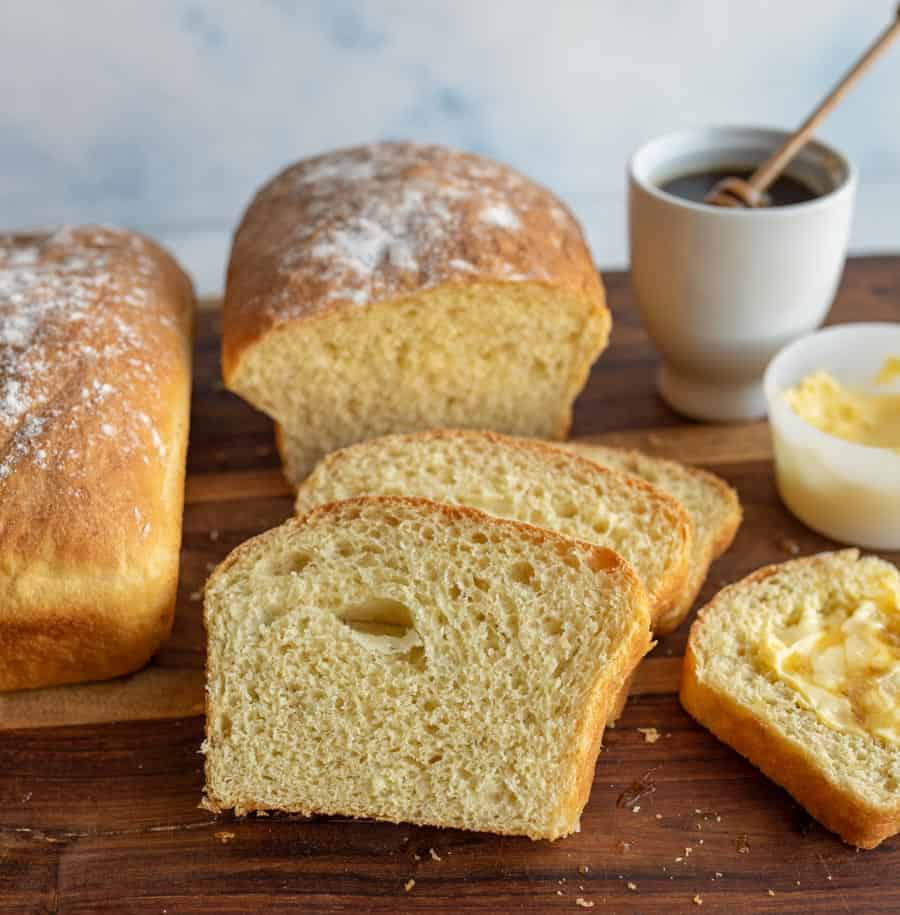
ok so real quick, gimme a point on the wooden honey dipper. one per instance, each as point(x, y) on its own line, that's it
point(737, 192)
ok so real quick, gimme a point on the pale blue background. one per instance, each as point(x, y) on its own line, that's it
point(166, 114)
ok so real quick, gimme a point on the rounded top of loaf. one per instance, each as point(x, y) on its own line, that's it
point(387, 220)
point(94, 328)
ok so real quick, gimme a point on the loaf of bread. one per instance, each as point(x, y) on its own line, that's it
point(411, 661)
point(798, 668)
point(95, 330)
point(399, 287)
point(526, 481)
point(713, 507)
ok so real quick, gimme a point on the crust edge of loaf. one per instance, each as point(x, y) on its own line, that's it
point(722, 540)
point(78, 633)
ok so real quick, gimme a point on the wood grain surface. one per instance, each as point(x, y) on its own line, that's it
point(99, 783)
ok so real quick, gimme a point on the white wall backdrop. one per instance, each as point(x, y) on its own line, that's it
point(165, 115)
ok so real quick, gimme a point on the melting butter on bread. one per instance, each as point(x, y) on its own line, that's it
point(798, 668)
point(526, 481)
point(411, 661)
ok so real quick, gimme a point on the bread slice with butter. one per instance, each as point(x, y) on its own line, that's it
point(410, 661)
point(798, 668)
point(712, 504)
point(526, 481)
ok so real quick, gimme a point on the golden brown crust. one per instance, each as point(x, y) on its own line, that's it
point(94, 398)
point(723, 539)
point(786, 762)
point(587, 741)
point(703, 554)
point(610, 696)
point(381, 222)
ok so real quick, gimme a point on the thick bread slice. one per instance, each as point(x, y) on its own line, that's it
point(410, 661)
point(850, 782)
point(526, 481)
point(712, 504)
point(388, 288)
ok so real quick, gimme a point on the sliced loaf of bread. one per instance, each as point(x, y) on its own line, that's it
point(411, 661)
point(390, 287)
point(798, 668)
point(713, 506)
point(524, 480)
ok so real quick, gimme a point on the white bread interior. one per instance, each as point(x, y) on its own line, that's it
point(409, 661)
point(504, 356)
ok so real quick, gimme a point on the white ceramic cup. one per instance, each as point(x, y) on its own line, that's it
point(719, 290)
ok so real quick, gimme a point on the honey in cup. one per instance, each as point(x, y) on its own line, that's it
point(694, 186)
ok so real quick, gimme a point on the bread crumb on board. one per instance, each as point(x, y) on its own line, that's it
point(631, 886)
point(409, 884)
point(434, 855)
point(224, 837)
point(635, 792)
point(698, 899)
point(791, 547)
point(771, 892)
point(584, 903)
point(651, 735)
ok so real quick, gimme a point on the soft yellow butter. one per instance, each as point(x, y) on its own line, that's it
point(889, 372)
point(853, 415)
point(845, 661)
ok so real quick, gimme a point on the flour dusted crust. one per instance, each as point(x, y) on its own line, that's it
point(95, 328)
point(379, 222)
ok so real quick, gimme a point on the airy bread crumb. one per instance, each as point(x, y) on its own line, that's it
point(389, 657)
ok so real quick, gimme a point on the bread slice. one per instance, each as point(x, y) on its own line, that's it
point(849, 780)
point(401, 286)
point(713, 506)
point(409, 661)
point(523, 480)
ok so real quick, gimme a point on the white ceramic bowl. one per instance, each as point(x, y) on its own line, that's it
point(846, 491)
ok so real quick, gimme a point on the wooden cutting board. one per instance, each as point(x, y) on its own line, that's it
point(99, 783)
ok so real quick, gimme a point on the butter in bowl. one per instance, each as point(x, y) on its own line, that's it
point(834, 407)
